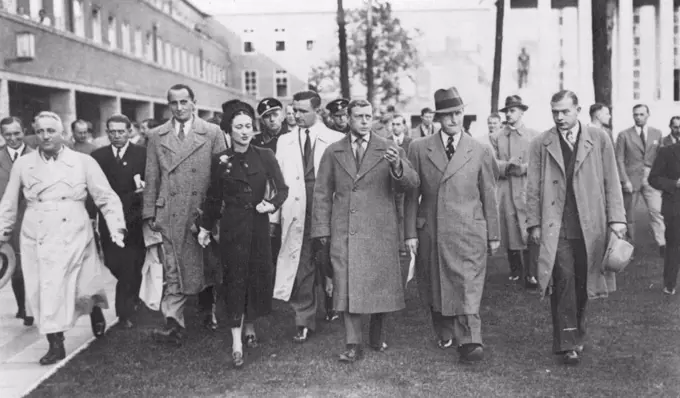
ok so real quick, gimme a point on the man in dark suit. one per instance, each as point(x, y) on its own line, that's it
point(674, 136)
point(665, 176)
point(636, 149)
point(399, 130)
point(12, 130)
point(123, 164)
point(426, 126)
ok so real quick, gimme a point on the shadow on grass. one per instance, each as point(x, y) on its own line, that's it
point(632, 351)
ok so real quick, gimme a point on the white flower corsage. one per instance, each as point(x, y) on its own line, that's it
point(224, 159)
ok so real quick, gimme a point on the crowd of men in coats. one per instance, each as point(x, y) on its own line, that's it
point(357, 200)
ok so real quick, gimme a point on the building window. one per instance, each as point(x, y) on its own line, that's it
point(168, 55)
point(149, 46)
point(250, 82)
point(177, 60)
point(310, 45)
point(58, 14)
point(280, 45)
point(139, 44)
point(113, 33)
point(96, 25)
point(636, 54)
point(160, 47)
point(125, 36)
point(281, 78)
point(248, 47)
point(185, 62)
point(79, 18)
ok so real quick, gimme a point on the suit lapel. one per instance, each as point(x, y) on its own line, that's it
point(460, 157)
point(191, 143)
point(5, 160)
point(437, 154)
point(635, 137)
point(585, 145)
point(552, 144)
point(374, 154)
point(345, 156)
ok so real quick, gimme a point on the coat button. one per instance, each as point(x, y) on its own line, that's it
point(193, 170)
point(550, 225)
point(298, 198)
point(353, 211)
point(194, 193)
point(172, 193)
point(553, 203)
point(294, 219)
point(354, 189)
point(554, 181)
point(297, 178)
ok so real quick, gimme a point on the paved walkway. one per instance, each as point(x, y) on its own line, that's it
point(21, 347)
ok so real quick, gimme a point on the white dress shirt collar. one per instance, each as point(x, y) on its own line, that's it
point(187, 126)
point(313, 133)
point(575, 132)
point(642, 129)
point(121, 150)
point(366, 138)
point(399, 139)
point(445, 139)
point(18, 151)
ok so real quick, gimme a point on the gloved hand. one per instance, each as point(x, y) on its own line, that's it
point(204, 237)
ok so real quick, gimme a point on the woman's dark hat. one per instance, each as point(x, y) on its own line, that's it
point(447, 100)
point(514, 101)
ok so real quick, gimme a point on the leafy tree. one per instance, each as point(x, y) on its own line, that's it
point(394, 53)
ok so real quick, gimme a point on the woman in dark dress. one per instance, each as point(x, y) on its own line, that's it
point(246, 185)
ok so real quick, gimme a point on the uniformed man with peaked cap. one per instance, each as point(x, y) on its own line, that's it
point(339, 116)
point(270, 111)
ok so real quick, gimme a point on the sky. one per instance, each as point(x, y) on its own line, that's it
point(217, 7)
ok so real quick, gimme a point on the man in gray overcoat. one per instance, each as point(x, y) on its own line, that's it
point(354, 219)
point(450, 223)
point(177, 178)
point(574, 201)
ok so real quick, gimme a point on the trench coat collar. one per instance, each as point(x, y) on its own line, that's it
point(585, 145)
point(508, 130)
point(436, 152)
point(460, 157)
point(182, 149)
point(374, 154)
point(39, 170)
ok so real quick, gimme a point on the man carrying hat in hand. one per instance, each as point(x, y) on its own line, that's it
point(458, 185)
point(511, 146)
point(338, 111)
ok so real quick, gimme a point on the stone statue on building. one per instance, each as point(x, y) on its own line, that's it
point(523, 63)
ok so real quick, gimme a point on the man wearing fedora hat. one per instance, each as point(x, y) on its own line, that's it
point(511, 145)
point(458, 184)
point(574, 202)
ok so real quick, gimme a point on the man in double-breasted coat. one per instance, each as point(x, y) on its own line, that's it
point(354, 217)
point(296, 270)
point(178, 160)
point(511, 146)
point(574, 200)
point(636, 149)
point(451, 222)
point(12, 130)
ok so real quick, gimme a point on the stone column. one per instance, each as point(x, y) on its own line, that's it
point(108, 106)
point(546, 49)
point(4, 98)
point(586, 90)
point(625, 51)
point(63, 103)
point(665, 50)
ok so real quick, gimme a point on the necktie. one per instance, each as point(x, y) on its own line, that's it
point(570, 138)
point(15, 156)
point(450, 150)
point(180, 135)
point(308, 148)
point(359, 151)
point(642, 138)
point(119, 158)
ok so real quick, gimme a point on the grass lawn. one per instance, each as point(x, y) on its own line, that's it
point(633, 350)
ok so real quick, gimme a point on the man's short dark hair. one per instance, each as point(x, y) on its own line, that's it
point(641, 106)
point(81, 122)
point(313, 96)
point(669, 123)
point(119, 118)
point(564, 94)
point(398, 116)
point(425, 110)
point(495, 115)
point(357, 103)
point(178, 87)
point(596, 107)
point(151, 123)
point(11, 120)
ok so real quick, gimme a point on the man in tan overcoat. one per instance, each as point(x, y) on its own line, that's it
point(511, 146)
point(574, 201)
point(354, 218)
point(451, 222)
point(177, 173)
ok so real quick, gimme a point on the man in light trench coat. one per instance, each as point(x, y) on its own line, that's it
point(354, 218)
point(451, 222)
point(179, 153)
point(511, 146)
point(299, 155)
point(574, 201)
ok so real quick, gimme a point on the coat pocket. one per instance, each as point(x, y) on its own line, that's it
point(160, 202)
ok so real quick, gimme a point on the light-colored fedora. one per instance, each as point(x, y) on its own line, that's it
point(618, 254)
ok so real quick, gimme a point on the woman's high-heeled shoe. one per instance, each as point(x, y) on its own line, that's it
point(251, 341)
point(237, 359)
